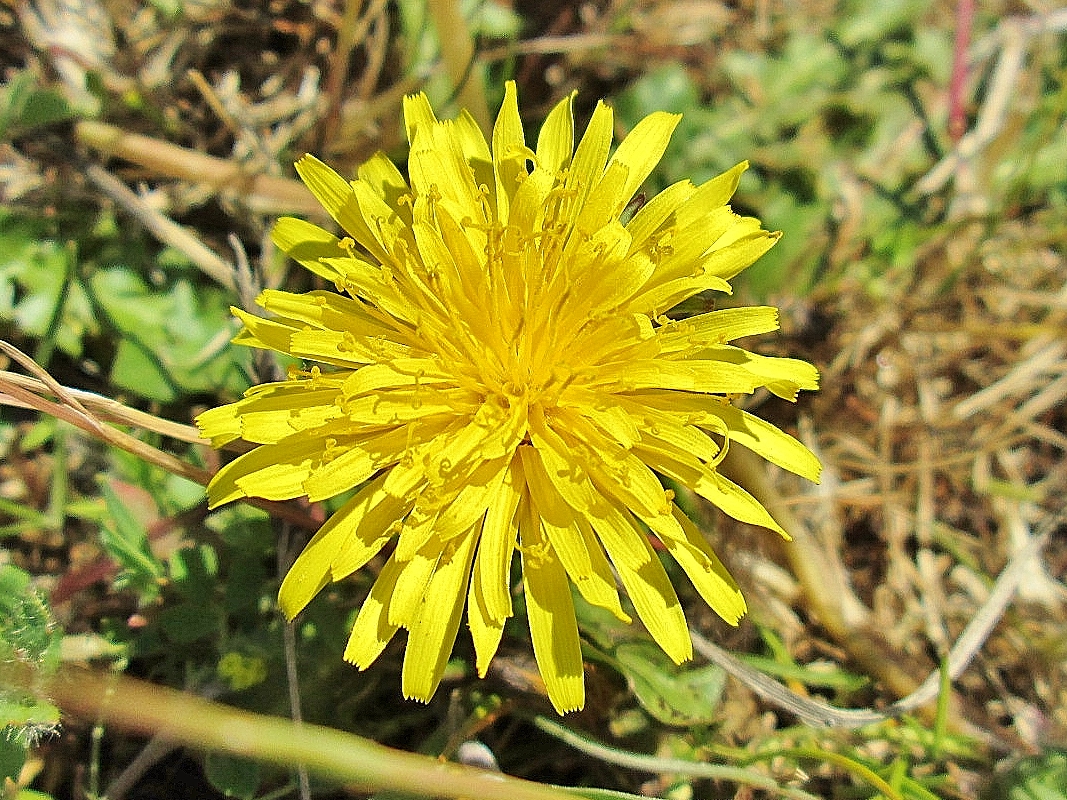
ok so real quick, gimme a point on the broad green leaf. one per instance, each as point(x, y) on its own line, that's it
point(234, 777)
point(672, 694)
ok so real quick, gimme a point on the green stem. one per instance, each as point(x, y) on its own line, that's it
point(144, 708)
point(47, 345)
point(850, 765)
point(668, 766)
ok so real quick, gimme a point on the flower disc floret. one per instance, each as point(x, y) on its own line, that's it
point(495, 373)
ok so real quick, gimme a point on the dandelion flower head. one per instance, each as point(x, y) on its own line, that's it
point(496, 373)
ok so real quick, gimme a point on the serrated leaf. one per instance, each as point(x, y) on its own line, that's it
point(28, 636)
point(26, 630)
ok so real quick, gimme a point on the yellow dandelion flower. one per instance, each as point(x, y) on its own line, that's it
point(496, 373)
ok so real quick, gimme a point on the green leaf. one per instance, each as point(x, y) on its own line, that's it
point(26, 630)
point(833, 678)
point(125, 539)
point(39, 291)
point(27, 719)
point(1041, 777)
point(234, 777)
point(12, 757)
point(25, 106)
point(673, 695)
point(173, 340)
point(28, 636)
point(136, 370)
point(186, 622)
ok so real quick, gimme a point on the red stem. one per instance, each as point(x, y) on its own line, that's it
point(957, 117)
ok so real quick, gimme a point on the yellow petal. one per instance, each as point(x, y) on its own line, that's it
point(571, 539)
point(769, 442)
point(264, 333)
point(474, 147)
point(499, 535)
point(708, 375)
point(555, 141)
point(509, 151)
point(400, 372)
point(640, 151)
point(271, 471)
point(434, 627)
point(472, 501)
point(657, 605)
point(782, 376)
point(372, 630)
point(711, 194)
point(309, 245)
point(278, 417)
point(438, 167)
point(528, 207)
point(485, 627)
point(354, 463)
point(406, 603)
point(374, 513)
point(327, 310)
point(725, 262)
point(656, 298)
point(712, 486)
point(221, 424)
point(591, 155)
point(339, 199)
point(553, 627)
point(717, 327)
point(417, 114)
point(704, 569)
point(735, 501)
point(418, 527)
point(380, 174)
point(346, 533)
point(679, 440)
point(658, 212)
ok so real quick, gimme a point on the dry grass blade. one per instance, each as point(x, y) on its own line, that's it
point(104, 407)
point(70, 409)
point(264, 194)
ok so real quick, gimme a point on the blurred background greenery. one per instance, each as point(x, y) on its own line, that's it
point(145, 149)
